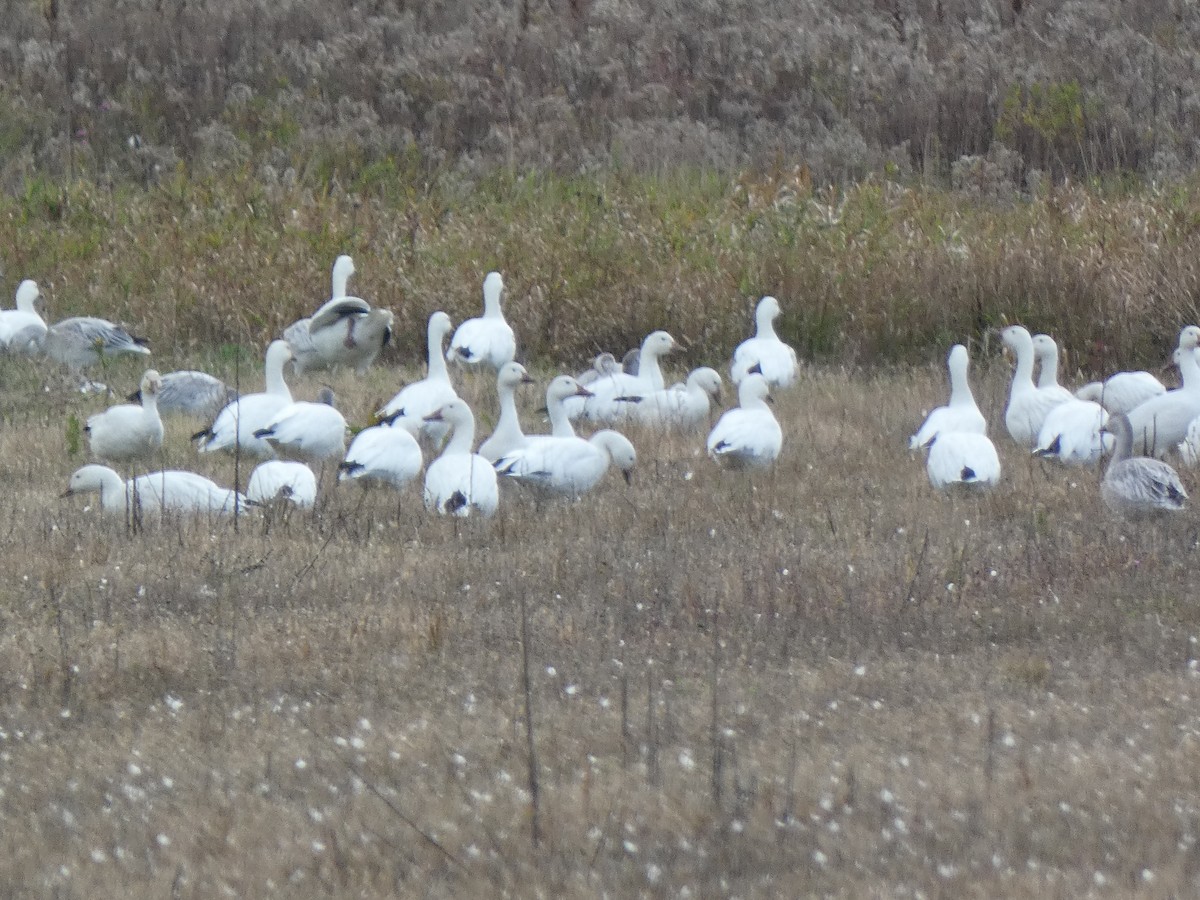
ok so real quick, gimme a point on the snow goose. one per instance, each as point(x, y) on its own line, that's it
point(459, 481)
point(190, 393)
point(1161, 422)
point(1122, 392)
point(748, 437)
point(961, 414)
point(561, 390)
point(279, 480)
point(82, 341)
point(128, 432)
point(345, 331)
point(1045, 351)
point(235, 424)
point(488, 340)
point(508, 434)
point(184, 492)
point(1027, 404)
point(315, 432)
point(603, 406)
point(604, 364)
point(1136, 486)
point(679, 406)
point(776, 359)
point(419, 399)
point(22, 330)
point(384, 453)
point(1073, 433)
point(962, 459)
point(569, 466)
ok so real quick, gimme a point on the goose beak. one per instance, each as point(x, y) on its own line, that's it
point(528, 379)
point(581, 391)
point(67, 493)
point(627, 474)
point(435, 416)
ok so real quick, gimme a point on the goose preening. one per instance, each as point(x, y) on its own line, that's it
point(569, 466)
point(603, 406)
point(776, 360)
point(1161, 423)
point(962, 459)
point(961, 414)
point(345, 331)
point(1027, 404)
point(280, 480)
point(190, 393)
point(1137, 486)
point(1073, 433)
point(507, 434)
point(315, 432)
point(383, 453)
point(1122, 392)
point(749, 436)
point(487, 340)
point(417, 400)
point(460, 482)
point(23, 330)
point(182, 492)
point(81, 341)
point(680, 406)
point(236, 423)
point(128, 432)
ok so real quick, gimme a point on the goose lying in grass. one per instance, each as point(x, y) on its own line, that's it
point(776, 360)
point(278, 480)
point(603, 406)
point(22, 330)
point(182, 492)
point(749, 436)
point(127, 432)
point(236, 424)
point(315, 432)
point(1136, 487)
point(488, 340)
point(190, 393)
point(961, 414)
point(80, 342)
point(383, 453)
point(603, 365)
point(507, 434)
point(1073, 433)
point(417, 400)
point(680, 406)
point(962, 459)
point(460, 482)
point(569, 466)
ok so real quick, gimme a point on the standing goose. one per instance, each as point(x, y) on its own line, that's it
point(748, 437)
point(1073, 433)
point(488, 340)
point(962, 459)
point(182, 492)
point(81, 341)
point(419, 399)
point(569, 466)
point(345, 331)
point(1027, 404)
point(508, 434)
point(603, 405)
point(23, 330)
point(460, 482)
point(776, 359)
point(1122, 392)
point(679, 406)
point(282, 481)
point(127, 432)
point(961, 414)
point(1136, 487)
point(1160, 423)
point(1045, 351)
point(235, 425)
point(315, 432)
point(384, 453)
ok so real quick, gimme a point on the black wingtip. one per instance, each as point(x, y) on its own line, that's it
point(263, 433)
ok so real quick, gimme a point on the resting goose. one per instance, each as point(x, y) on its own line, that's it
point(1073, 433)
point(384, 453)
point(460, 482)
point(417, 400)
point(1122, 392)
point(961, 414)
point(127, 432)
point(1136, 486)
point(190, 393)
point(282, 481)
point(679, 406)
point(962, 459)
point(182, 492)
point(487, 340)
point(81, 341)
point(776, 359)
point(23, 330)
point(604, 364)
point(236, 424)
point(748, 437)
point(315, 432)
point(603, 405)
point(507, 434)
point(569, 466)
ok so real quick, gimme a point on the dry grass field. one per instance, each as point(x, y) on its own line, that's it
point(825, 680)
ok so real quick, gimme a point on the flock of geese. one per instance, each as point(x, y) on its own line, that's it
point(427, 419)
point(1131, 417)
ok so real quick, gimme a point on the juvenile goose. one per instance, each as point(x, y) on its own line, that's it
point(569, 466)
point(961, 414)
point(383, 453)
point(776, 359)
point(748, 437)
point(460, 482)
point(604, 364)
point(190, 393)
point(22, 330)
point(127, 432)
point(417, 400)
point(279, 480)
point(81, 341)
point(1027, 404)
point(183, 492)
point(236, 424)
point(1137, 487)
point(508, 434)
point(487, 340)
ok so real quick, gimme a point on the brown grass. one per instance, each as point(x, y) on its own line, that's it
point(822, 680)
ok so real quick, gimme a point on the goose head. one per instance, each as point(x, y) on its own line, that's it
point(619, 449)
point(606, 364)
point(511, 375)
point(151, 384)
point(562, 387)
point(1189, 338)
point(89, 479)
point(766, 313)
point(439, 326)
point(1017, 339)
point(707, 380)
point(27, 295)
point(658, 343)
point(754, 389)
point(493, 291)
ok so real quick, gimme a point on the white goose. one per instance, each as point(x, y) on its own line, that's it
point(279, 480)
point(81, 341)
point(235, 425)
point(183, 492)
point(22, 330)
point(680, 406)
point(384, 453)
point(488, 340)
point(604, 364)
point(127, 432)
point(508, 434)
point(569, 466)
point(345, 331)
point(1122, 392)
point(1136, 486)
point(603, 406)
point(1161, 422)
point(460, 482)
point(962, 459)
point(417, 400)
point(961, 414)
point(776, 359)
point(315, 432)
point(560, 390)
point(190, 393)
point(1073, 433)
point(748, 437)
point(1045, 351)
point(1027, 404)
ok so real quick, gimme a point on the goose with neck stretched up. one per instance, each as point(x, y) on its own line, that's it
point(569, 466)
point(507, 434)
point(1027, 404)
point(23, 330)
point(160, 492)
point(1045, 351)
point(1137, 487)
point(127, 432)
point(416, 401)
point(1161, 423)
point(460, 482)
point(748, 437)
point(961, 414)
point(489, 339)
point(776, 359)
point(237, 422)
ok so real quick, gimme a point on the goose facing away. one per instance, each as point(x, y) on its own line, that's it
point(417, 400)
point(460, 482)
point(128, 432)
point(190, 393)
point(81, 341)
point(569, 466)
point(507, 434)
point(961, 414)
point(282, 481)
point(345, 331)
point(312, 431)
point(1073, 434)
point(1136, 487)
point(182, 492)
point(604, 364)
point(776, 360)
point(23, 330)
point(1122, 392)
point(237, 422)
point(749, 436)
point(1027, 404)
point(487, 340)
point(382, 453)
point(960, 459)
